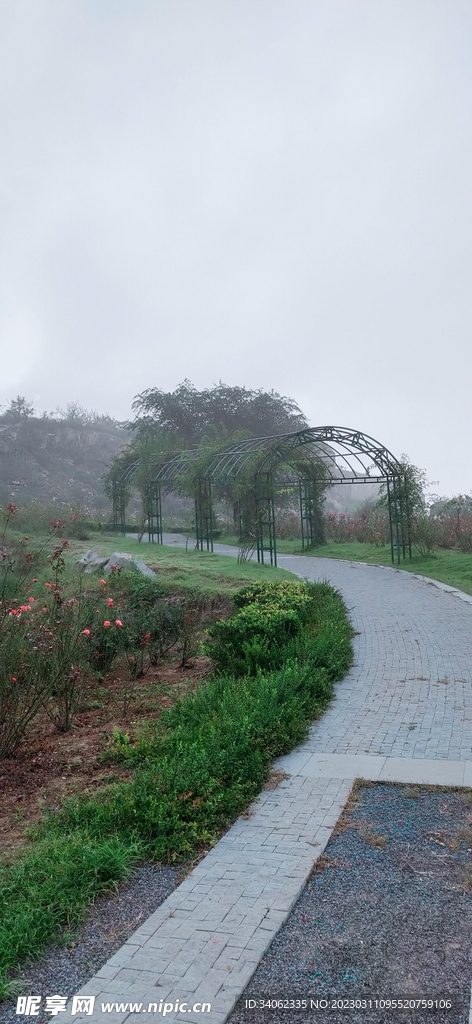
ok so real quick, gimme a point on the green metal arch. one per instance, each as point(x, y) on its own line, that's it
point(341, 454)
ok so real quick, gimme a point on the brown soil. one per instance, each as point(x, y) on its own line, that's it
point(51, 766)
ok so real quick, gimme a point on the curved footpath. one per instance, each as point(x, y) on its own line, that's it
point(403, 713)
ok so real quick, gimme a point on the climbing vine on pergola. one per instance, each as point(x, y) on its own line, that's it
point(251, 470)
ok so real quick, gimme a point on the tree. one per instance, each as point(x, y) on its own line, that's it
point(168, 423)
point(77, 416)
point(19, 407)
point(410, 487)
point(192, 416)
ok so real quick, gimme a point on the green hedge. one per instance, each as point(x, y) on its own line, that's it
point(269, 617)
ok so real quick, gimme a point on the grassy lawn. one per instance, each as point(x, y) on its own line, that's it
point(451, 567)
point(204, 573)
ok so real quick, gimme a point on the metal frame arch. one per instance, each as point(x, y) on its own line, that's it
point(341, 445)
point(346, 456)
point(119, 502)
point(164, 471)
point(182, 465)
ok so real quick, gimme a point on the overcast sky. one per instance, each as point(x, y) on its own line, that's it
point(274, 193)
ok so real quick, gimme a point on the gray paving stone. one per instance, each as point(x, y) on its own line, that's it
point(132, 976)
point(433, 773)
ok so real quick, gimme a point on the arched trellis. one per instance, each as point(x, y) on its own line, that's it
point(315, 457)
point(119, 485)
point(163, 473)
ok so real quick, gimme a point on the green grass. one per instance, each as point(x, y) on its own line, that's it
point(206, 574)
point(451, 567)
point(201, 571)
point(203, 763)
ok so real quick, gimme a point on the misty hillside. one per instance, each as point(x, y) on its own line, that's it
point(62, 457)
point(55, 460)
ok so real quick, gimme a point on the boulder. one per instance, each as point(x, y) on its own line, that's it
point(92, 562)
point(90, 556)
point(146, 571)
point(96, 563)
point(120, 558)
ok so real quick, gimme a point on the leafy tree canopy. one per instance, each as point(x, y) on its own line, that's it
point(193, 416)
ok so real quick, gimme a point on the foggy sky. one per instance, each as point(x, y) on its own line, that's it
point(274, 193)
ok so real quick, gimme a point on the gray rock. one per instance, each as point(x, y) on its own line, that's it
point(90, 556)
point(120, 558)
point(96, 565)
point(126, 561)
point(93, 562)
point(146, 571)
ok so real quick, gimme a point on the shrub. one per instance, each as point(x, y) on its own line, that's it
point(367, 527)
point(283, 593)
point(23, 686)
point(254, 638)
point(104, 643)
point(269, 616)
point(288, 525)
point(424, 535)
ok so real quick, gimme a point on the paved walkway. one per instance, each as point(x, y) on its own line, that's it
point(403, 713)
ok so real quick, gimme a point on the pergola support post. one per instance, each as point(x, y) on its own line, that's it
point(203, 514)
point(154, 512)
point(308, 514)
point(398, 522)
point(119, 507)
point(265, 518)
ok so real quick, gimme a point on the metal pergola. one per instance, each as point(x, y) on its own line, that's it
point(310, 460)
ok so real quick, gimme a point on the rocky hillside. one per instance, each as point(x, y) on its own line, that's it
point(55, 461)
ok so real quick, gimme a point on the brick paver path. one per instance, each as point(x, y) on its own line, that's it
point(404, 712)
point(409, 692)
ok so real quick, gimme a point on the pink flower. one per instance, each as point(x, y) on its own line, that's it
point(109, 602)
point(103, 582)
point(107, 623)
point(13, 679)
point(31, 600)
point(85, 632)
point(118, 622)
point(48, 584)
point(147, 636)
point(34, 580)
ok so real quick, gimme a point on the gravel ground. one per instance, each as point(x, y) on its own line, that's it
point(387, 912)
point(62, 971)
